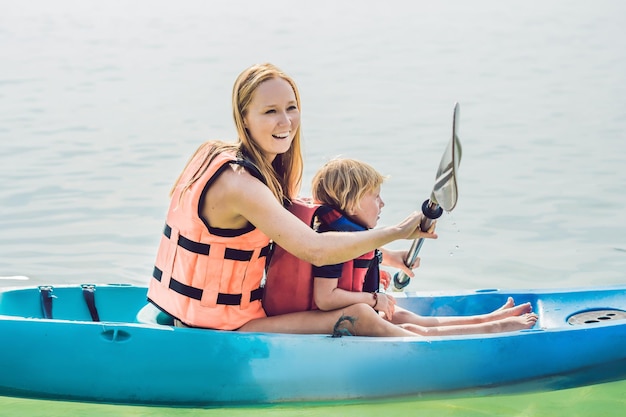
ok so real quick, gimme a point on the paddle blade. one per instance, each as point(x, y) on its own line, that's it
point(445, 192)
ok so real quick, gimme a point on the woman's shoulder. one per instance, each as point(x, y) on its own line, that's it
point(238, 178)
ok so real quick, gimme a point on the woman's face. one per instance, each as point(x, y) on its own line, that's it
point(272, 117)
point(368, 211)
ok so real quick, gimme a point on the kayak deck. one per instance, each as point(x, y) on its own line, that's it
point(125, 303)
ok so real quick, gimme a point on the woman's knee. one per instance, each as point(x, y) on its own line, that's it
point(365, 316)
point(361, 310)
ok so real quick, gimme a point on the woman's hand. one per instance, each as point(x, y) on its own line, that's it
point(411, 226)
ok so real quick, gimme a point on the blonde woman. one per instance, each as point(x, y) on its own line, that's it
point(228, 204)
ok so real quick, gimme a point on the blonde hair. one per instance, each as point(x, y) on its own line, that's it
point(342, 183)
point(284, 174)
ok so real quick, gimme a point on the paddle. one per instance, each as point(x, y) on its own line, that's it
point(443, 196)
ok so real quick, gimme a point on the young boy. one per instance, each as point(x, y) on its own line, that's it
point(347, 192)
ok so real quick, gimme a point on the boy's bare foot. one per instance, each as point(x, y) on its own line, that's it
point(509, 303)
point(510, 324)
point(509, 309)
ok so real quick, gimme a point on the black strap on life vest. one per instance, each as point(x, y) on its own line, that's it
point(196, 293)
point(89, 294)
point(45, 298)
point(254, 171)
point(362, 263)
point(204, 248)
point(371, 283)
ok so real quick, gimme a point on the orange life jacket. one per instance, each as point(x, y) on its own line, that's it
point(203, 276)
point(289, 280)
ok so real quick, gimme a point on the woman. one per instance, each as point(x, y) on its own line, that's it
point(228, 204)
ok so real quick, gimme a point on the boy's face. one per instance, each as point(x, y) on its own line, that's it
point(368, 211)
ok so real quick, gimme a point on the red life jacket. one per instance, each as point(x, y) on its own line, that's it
point(203, 276)
point(289, 280)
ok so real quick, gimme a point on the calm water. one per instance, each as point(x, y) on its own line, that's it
point(101, 104)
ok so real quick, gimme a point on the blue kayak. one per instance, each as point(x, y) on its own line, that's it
point(106, 344)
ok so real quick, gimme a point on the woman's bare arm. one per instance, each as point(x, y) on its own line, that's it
point(236, 197)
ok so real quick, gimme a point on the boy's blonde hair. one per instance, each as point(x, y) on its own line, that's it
point(342, 183)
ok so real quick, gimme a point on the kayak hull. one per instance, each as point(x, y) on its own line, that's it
point(128, 357)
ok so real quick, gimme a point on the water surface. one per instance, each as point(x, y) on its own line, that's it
point(101, 104)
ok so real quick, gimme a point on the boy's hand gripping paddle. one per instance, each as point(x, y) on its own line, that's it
point(443, 196)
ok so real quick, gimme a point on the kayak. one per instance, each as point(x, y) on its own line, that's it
point(105, 343)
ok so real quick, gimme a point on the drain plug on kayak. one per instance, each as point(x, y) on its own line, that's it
point(595, 316)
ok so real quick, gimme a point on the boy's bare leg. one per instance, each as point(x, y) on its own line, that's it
point(509, 309)
point(507, 324)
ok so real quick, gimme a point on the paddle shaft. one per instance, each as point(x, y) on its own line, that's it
point(431, 211)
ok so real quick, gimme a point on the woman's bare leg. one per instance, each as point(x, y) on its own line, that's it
point(366, 322)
